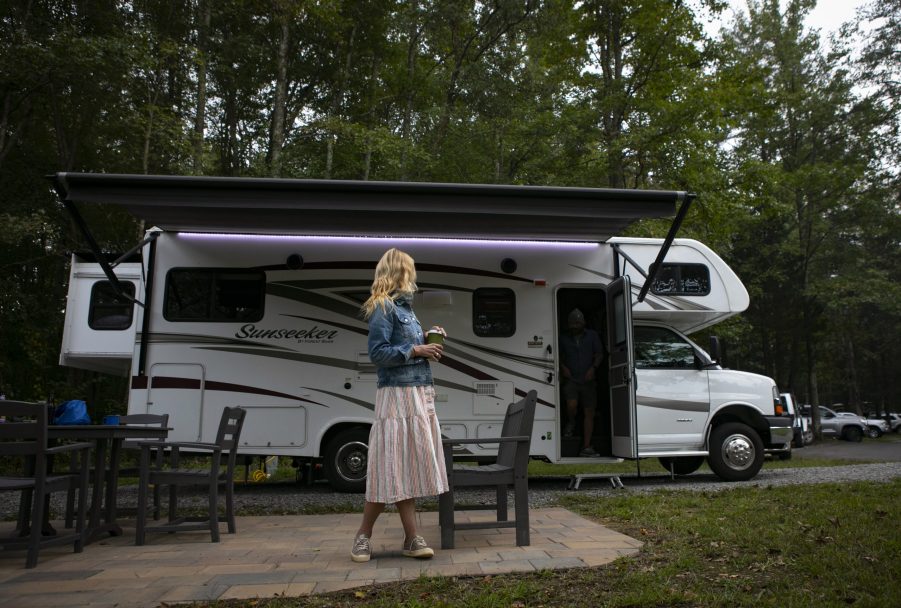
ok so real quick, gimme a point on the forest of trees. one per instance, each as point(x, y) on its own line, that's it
point(789, 138)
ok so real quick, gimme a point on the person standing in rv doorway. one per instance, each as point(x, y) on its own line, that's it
point(406, 460)
point(581, 353)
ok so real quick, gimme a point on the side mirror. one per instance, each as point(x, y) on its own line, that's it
point(716, 350)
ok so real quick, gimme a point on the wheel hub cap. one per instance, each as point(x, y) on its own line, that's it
point(352, 461)
point(738, 451)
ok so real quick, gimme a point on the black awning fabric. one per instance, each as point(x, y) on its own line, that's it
point(400, 209)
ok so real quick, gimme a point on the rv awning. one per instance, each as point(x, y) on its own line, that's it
point(329, 207)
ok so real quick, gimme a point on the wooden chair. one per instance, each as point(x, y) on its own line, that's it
point(213, 476)
point(158, 420)
point(510, 468)
point(24, 435)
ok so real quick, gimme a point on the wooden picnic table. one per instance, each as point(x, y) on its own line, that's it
point(108, 440)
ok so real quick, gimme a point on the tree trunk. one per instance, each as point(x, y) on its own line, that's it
point(277, 131)
point(200, 113)
point(336, 102)
point(412, 45)
point(853, 386)
point(611, 41)
point(812, 388)
point(148, 132)
point(370, 121)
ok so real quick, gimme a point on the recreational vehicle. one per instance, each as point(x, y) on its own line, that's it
point(247, 292)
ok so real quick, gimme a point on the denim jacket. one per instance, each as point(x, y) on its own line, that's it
point(392, 335)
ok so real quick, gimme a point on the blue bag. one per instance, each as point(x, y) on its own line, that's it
point(71, 412)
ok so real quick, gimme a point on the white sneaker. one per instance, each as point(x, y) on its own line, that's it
point(417, 547)
point(361, 551)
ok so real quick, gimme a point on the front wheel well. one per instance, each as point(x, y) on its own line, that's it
point(745, 415)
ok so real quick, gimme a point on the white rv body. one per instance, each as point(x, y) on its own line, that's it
point(92, 345)
point(300, 366)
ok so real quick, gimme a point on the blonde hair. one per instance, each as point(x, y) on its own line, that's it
point(395, 274)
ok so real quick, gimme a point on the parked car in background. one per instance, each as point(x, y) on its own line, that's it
point(849, 428)
point(874, 427)
point(892, 419)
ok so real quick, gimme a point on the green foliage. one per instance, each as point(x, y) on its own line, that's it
point(795, 166)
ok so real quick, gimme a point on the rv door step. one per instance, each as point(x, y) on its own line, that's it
point(576, 480)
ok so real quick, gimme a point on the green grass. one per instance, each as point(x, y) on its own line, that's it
point(813, 545)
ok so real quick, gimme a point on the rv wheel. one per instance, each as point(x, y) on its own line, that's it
point(683, 465)
point(736, 451)
point(345, 460)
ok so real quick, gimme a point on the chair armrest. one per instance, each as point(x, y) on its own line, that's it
point(512, 438)
point(70, 447)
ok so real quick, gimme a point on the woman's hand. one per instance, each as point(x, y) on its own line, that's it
point(431, 352)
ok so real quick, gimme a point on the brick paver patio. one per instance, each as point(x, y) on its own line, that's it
point(291, 555)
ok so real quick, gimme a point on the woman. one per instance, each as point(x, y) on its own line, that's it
point(405, 455)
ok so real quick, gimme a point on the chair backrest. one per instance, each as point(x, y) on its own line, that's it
point(25, 431)
point(230, 426)
point(157, 420)
point(518, 421)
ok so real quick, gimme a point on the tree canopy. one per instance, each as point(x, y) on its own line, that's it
point(791, 141)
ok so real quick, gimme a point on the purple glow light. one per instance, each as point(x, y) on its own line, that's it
point(381, 240)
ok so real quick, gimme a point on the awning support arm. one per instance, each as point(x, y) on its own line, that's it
point(151, 237)
point(95, 249)
point(625, 255)
point(667, 242)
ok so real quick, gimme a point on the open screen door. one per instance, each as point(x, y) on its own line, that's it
point(621, 368)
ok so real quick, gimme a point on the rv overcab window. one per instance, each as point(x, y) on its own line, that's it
point(493, 312)
point(682, 280)
point(214, 295)
point(659, 348)
point(107, 312)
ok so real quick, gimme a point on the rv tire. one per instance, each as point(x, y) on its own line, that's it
point(682, 465)
point(736, 452)
point(345, 460)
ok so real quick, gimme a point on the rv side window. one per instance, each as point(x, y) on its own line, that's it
point(682, 280)
point(493, 312)
point(107, 312)
point(659, 348)
point(207, 294)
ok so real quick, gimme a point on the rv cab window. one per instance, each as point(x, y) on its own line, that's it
point(107, 312)
point(493, 312)
point(682, 280)
point(660, 348)
point(209, 294)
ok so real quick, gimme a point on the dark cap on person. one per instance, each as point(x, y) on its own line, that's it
point(576, 318)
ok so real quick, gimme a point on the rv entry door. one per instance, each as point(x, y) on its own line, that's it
point(621, 368)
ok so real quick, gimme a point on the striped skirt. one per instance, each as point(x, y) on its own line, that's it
point(405, 455)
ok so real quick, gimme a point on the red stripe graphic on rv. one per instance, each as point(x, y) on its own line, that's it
point(138, 382)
